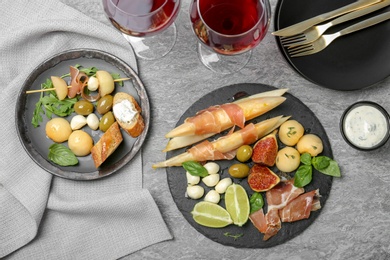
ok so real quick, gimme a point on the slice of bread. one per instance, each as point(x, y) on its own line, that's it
point(127, 113)
point(107, 144)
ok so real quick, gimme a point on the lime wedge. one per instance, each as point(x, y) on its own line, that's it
point(237, 204)
point(211, 215)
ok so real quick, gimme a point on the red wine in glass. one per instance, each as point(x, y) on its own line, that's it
point(230, 27)
point(144, 19)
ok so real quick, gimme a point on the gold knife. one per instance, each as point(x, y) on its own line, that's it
point(302, 26)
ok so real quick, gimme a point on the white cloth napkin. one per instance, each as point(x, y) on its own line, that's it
point(46, 217)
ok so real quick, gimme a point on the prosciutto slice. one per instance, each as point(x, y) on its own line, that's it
point(273, 223)
point(224, 146)
point(78, 80)
point(205, 151)
point(286, 203)
point(300, 207)
point(279, 196)
point(208, 120)
point(258, 220)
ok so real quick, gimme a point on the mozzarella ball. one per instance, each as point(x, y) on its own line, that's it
point(93, 83)
point(58, 129)
point(212, 196)
point(191, 179)
point(290, 132)
point(80, 143)
point(311, 144)
point(223, 184)
point(77, 122)
point(93, 121)
point(212, 167)
point(211, 180)
point(288, 159)
point(195, 192)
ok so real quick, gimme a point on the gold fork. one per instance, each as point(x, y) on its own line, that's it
point(326, 39)
point(315, 32)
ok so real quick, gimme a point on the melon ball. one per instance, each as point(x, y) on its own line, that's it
point(310, 143)
point(80, 143)
point(288, 159)
point(58, 129)
point(290, 132)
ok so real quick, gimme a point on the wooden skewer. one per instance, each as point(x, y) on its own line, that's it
point(49, 89)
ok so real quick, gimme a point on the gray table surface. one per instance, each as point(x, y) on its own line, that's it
point(355, 222)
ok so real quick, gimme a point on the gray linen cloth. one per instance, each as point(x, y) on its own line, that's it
point(46, 217)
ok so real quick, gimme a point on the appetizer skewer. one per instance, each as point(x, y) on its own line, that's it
point(102, 82)
point(50, 89)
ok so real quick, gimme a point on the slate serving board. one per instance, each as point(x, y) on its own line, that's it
point(251, 238)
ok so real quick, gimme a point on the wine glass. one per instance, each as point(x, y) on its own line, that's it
point(148, 25)
point(228, 30)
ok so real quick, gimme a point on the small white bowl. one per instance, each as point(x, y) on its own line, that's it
point(365, 125)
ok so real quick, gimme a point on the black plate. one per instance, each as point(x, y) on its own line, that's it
point(351, 62)
point(36, 143)
point(252, 238)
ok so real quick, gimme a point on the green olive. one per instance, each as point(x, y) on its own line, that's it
point(83, 107)
point(106, 121)
point(239, 170)
point(244, 153)
point(104, 104)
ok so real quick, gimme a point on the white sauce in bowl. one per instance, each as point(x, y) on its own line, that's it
point(365, 126)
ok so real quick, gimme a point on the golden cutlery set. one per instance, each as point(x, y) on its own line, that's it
point(307, 37)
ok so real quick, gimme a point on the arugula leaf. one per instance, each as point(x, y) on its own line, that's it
point(195, 168)
point(89, 71)
point(117, 76)
point(37, 114)
point(303, 176)
point(256, 202)
point(58, 107)
point(62, 155)
point(38, 111)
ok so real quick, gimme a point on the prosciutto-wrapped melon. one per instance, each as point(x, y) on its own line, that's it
point(225, 147)
point(216, 119)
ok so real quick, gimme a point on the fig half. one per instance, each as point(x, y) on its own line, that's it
point(261, 178)
point(265, 150)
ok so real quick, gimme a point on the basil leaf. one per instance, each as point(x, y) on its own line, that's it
point(62, 155)
point(256, 202)
point(303, 176)
point(195, 168)
point(306, 158)
point(320, 162)
point(332, 169)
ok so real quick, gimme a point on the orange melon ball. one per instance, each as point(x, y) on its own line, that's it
point(58, 129)
point(80, 143)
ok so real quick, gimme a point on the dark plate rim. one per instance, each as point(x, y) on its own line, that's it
point(305, 75)
point(20, 109)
